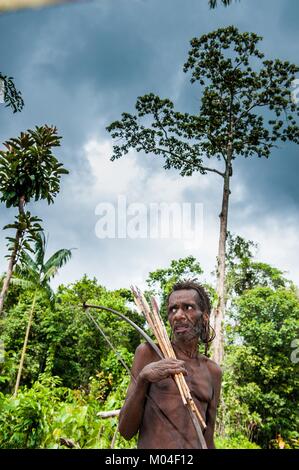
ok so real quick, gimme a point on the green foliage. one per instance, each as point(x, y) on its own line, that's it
point(260, 382)
point(13, 333)
point(162, 280)
point(12, 97)
point(259, 366)
point(236, 442)
point(239, 82)
point(243, 273)
point(28, 227)
point(12, 296)
point(63, 340)
point(47, 415)
point(246, 107)
point(22, 419)
point(238, 85)
point(29, 169)
point(70, 373)
point(36, 273)
point(112, 366)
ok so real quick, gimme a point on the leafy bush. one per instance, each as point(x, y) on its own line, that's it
point(48, 415)
point(234, 442)
point(260, 387)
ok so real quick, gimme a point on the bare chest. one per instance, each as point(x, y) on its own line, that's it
point(199, 381)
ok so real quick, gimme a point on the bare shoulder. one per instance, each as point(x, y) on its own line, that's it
point(214, 368)
point(145, 352)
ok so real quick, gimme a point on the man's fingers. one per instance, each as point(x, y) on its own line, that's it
point(174, 362)
point(176, 366)
point(176, 370)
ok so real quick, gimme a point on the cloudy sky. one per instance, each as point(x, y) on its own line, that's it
point(79, 67)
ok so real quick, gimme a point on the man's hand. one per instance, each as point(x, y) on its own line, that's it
point(156, 371)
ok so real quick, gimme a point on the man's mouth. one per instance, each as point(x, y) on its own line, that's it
point(181, 328)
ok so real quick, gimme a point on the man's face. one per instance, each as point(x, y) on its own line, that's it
point(184, 314)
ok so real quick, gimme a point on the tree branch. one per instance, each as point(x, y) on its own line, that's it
point(213, 170)
point(249, 109)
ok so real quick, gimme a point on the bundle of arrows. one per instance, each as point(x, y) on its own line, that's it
point(155, 322)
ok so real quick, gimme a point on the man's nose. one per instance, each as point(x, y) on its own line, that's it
point(179, 314)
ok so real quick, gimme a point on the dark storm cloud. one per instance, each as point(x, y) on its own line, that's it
point(79, 66)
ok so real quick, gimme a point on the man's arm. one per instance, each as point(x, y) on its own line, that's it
point(146, 368)
point(212, 407)
point(132, 411)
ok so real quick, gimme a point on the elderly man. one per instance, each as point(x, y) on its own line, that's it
point(153, 406)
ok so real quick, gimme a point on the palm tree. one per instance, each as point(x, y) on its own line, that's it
point(28, 171)
point(35, 274)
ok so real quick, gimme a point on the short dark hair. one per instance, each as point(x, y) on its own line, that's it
point(206, 333)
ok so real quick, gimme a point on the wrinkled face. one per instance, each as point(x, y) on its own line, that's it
point(184, 314)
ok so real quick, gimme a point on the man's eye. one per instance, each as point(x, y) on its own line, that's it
point(189, 307)
point(173, 310)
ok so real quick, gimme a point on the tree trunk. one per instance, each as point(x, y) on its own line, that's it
point(219, 310)
point(25, 345)
point(13, 258)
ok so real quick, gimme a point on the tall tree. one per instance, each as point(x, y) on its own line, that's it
point(246, 106)
point(35, 274)
point(12, 97)
point(28, 170)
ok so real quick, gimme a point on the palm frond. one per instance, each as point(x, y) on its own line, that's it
point(40, 248)
point(24, 283)
point(27, 272)
point(55, 262)
point(51, 272)
point(28, 262)
point(37, 274)
point(46, 288)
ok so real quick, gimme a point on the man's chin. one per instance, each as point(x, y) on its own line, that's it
point(182, 335)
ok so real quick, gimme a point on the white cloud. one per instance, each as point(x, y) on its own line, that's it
point(128, 176)
point(119, 263)
point(112, 178)
point(166, 186)
point(239, 192)
point(278, 242)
